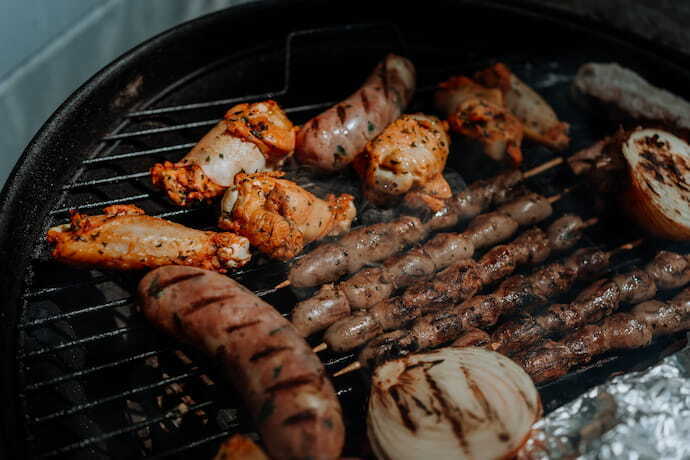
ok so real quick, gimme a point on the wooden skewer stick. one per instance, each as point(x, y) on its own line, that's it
point(320, 347)
point(526, 175)
point(543, 167)
point(347, 369)
point(623, 247)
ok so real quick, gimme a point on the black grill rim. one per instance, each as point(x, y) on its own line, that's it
point(57, 149)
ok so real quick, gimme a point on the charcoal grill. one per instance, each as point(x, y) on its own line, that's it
point(83, 375)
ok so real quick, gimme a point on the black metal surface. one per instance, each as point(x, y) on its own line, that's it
point(83, 376)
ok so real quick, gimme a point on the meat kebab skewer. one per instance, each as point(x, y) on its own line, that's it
point(483, 311)
point(456, 283)
point(374, 243)
point(667, 270)
point(372, 285)
point(621, 331)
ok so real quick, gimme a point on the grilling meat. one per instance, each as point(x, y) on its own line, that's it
point(124, 238)
point(279, 217)
point(373, 243)
point(539, 121)
point(281, 380)
point(480, 114)
point(251, 137)
point(667, 271)
point(458, 282)
point(331, 140)
point(372, 285)
point(483, 311)
point(628, 96)
point(620, 331)
point(410, 154)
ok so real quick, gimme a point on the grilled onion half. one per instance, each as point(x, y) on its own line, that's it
point(658, 192)
point(451, 403)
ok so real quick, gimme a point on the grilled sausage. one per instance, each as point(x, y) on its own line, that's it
point(282, 381)
point(331, 140)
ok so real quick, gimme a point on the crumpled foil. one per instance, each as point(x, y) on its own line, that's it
point(640, 415)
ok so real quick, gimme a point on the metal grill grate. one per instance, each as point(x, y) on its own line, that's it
point(95, 382)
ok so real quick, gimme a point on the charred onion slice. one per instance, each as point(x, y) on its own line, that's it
point(451, 403)
point(658, 195)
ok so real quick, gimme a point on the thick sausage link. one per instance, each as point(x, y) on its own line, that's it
point(331, 140)
point(281, 380)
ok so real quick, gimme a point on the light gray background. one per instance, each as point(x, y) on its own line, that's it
point(50, 47)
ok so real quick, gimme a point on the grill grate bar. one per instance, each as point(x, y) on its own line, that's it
point(82, 341)
point(99, 204)
point(72, 314)
point(171, 414)
point(91, 370)
point(138, 153)
point(56, 289)
point(192, 445)
point(166, 129)
point(107, 180)
point(129, 392)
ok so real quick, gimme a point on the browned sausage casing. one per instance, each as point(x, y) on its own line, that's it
point(282, 381)
point(331, 140)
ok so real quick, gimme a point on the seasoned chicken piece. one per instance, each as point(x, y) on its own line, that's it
point(124, 238)
point(408, 155)
point(540, 122)
point(252, 137)
point(240, 447)
point(478, 112)
point(280, 217)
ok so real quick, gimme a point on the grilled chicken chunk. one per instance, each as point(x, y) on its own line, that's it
point(124, 238)
point(479, 113)
point(539, 121)
point(280, 217)
point(251, 137)
point(410, 154)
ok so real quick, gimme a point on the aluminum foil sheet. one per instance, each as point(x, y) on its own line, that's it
point(640, 415)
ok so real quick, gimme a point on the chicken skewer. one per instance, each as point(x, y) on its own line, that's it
point(124, 238)
point(279, 217)
point(666, 271)
point(621, 331)
point(484, 311)
point(372, 285)
point(375, 243)
point(456, 283)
